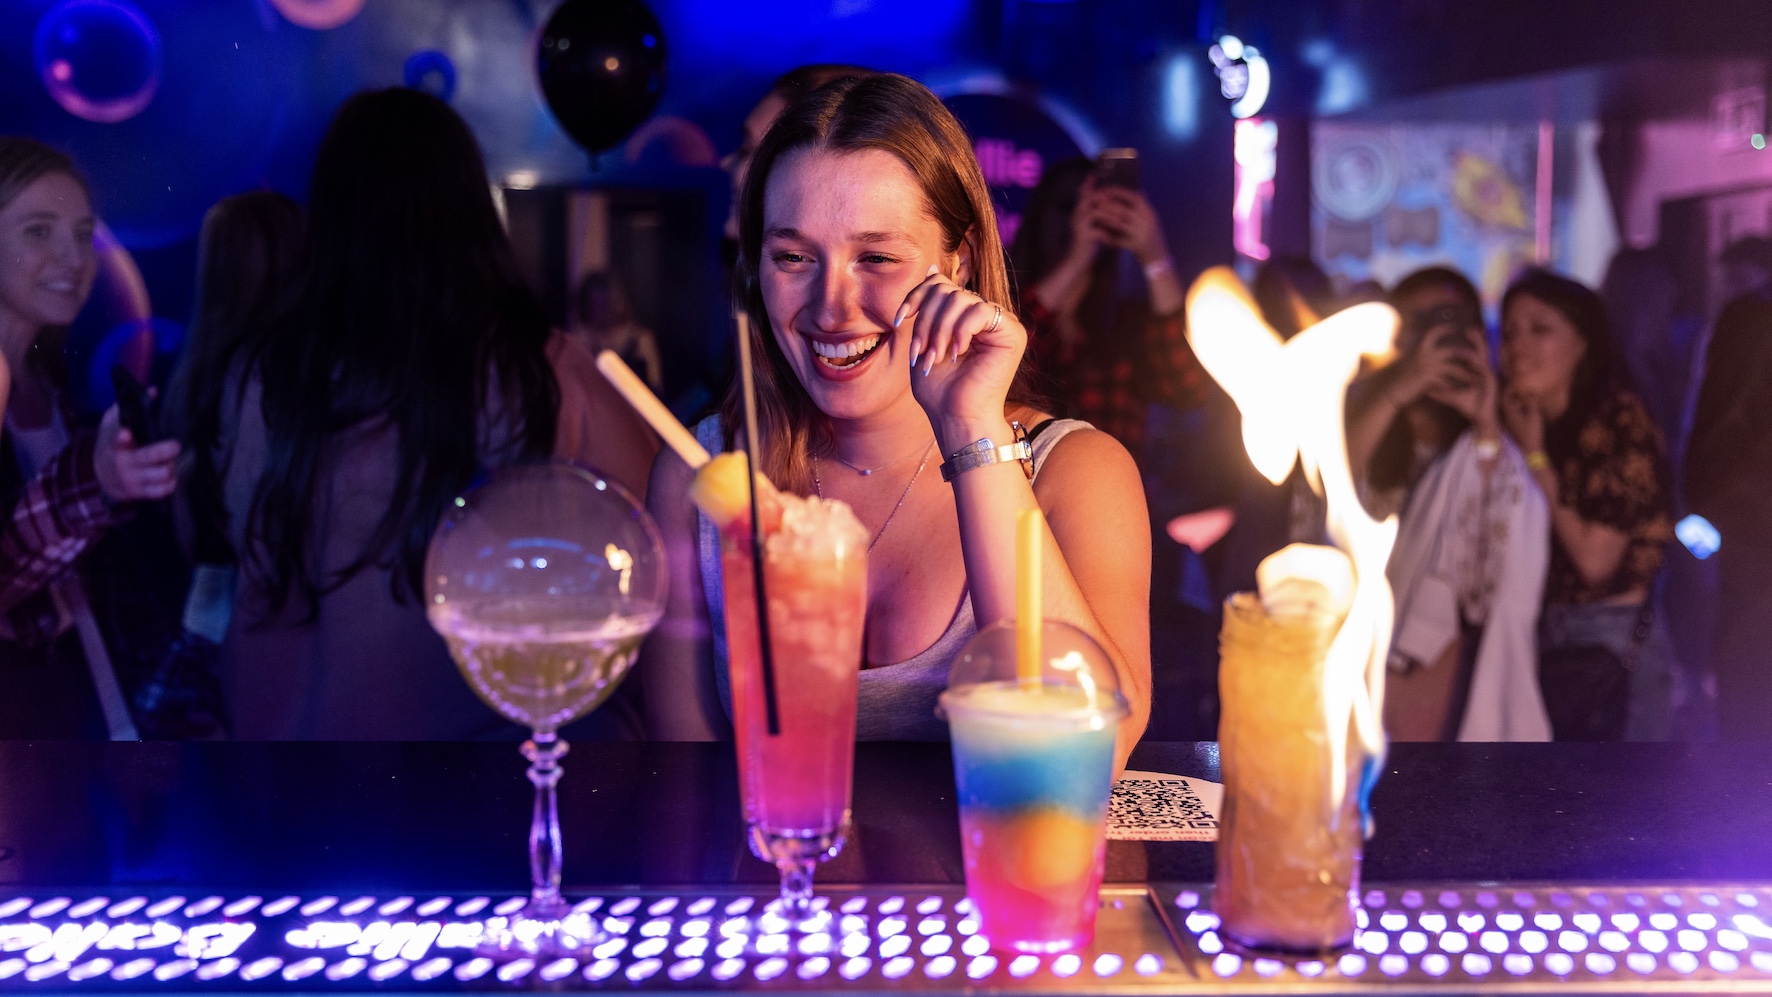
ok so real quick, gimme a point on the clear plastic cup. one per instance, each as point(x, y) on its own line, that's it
point(1034, 764)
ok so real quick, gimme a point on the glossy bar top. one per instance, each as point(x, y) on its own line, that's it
point(454, 817)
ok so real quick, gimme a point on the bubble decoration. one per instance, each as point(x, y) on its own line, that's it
point(100, 60)
point(318, 15)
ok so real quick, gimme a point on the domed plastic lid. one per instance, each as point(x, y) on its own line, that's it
point(1077, 681)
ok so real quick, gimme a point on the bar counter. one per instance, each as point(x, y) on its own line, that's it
point(1594, 855)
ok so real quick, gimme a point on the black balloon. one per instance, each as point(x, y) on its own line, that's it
point(602, 68)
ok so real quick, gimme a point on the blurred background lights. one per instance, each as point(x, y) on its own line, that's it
point(99, 59)
point(1699, 536)
point(1343, 85)
point(432, 72)
point(1181, 115)
point(319, 15)
point(1243, 75)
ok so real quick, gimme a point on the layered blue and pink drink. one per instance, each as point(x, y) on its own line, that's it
point(1034, 763)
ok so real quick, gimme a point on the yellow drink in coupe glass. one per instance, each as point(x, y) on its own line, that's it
point(538, 665)
point(543, 581)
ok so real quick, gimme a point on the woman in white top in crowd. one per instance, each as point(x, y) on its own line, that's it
point(1425, 437)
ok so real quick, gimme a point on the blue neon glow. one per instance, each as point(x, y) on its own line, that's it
point(1699, 536)
point(1181, 98)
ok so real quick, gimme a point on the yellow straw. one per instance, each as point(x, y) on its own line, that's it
point(651, 409)
point(1030, 537)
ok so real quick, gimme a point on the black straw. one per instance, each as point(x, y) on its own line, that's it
point(771, 712)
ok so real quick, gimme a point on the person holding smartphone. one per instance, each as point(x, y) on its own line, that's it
point(1101, 298)
point(62, 489)
point(1425, 440)
point(1404, 416)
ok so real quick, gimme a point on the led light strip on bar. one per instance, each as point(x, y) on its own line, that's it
point(1164, 938)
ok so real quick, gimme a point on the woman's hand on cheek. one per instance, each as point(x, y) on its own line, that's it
point(964, 352)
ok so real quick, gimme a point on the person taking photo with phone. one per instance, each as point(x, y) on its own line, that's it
point(61, 488)
point(1101, 298)
point(1425, 439)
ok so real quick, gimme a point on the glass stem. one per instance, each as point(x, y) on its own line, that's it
point(544, 754)
point(796, 885)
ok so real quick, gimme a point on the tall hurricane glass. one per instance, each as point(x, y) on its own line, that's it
point(543, 581)
point(796, 781)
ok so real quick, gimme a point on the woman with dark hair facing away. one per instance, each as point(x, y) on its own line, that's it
point(1106, 346)
point(1599, 460)
point(61, 489)
point(886, 344)
point(414, 360)
point(1424, 438)
point(248, 258)
point(1728, 480)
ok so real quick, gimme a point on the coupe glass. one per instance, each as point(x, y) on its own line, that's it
point(543, 580)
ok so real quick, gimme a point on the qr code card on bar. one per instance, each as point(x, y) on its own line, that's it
point(1156, 806)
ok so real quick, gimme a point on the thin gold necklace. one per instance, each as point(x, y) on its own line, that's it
point(867, 471)
point(818, 487)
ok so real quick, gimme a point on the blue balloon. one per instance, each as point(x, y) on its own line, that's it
point(432, 72)
point(99, 59)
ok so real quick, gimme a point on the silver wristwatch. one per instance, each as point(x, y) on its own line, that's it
point(986, 452)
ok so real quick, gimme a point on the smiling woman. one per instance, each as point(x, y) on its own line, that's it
point(61, 489)
point(884, 331)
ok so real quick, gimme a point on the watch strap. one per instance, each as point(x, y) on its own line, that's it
point(984, 453)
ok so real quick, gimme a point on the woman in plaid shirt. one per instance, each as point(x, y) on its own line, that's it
point(60, 489)
point(1108, 342)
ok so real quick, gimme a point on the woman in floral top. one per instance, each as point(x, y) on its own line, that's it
point(1601, 463)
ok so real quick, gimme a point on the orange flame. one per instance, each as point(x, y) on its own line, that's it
point(1291, 395)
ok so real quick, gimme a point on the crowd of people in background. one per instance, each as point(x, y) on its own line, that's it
point(353, 365)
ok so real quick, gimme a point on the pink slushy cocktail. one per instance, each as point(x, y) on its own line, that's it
point(796, 783)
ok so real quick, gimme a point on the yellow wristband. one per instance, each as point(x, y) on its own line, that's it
point(1537, 460)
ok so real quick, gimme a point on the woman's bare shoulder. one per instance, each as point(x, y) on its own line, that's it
point(668, 489)
point(1088, 451)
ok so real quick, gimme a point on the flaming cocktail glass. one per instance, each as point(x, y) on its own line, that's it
point(1288, 848)
point(1301, 676)
point(796, 782)
point(1034, 764)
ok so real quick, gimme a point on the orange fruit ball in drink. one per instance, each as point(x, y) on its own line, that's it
point(1041, 849)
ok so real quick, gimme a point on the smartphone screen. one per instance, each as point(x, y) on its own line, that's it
point(1117, 168)
point(133, 406)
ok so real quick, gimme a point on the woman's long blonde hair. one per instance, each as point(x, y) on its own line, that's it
point(895, 114)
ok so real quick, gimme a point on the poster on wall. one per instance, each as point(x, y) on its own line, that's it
point(1389, 199)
